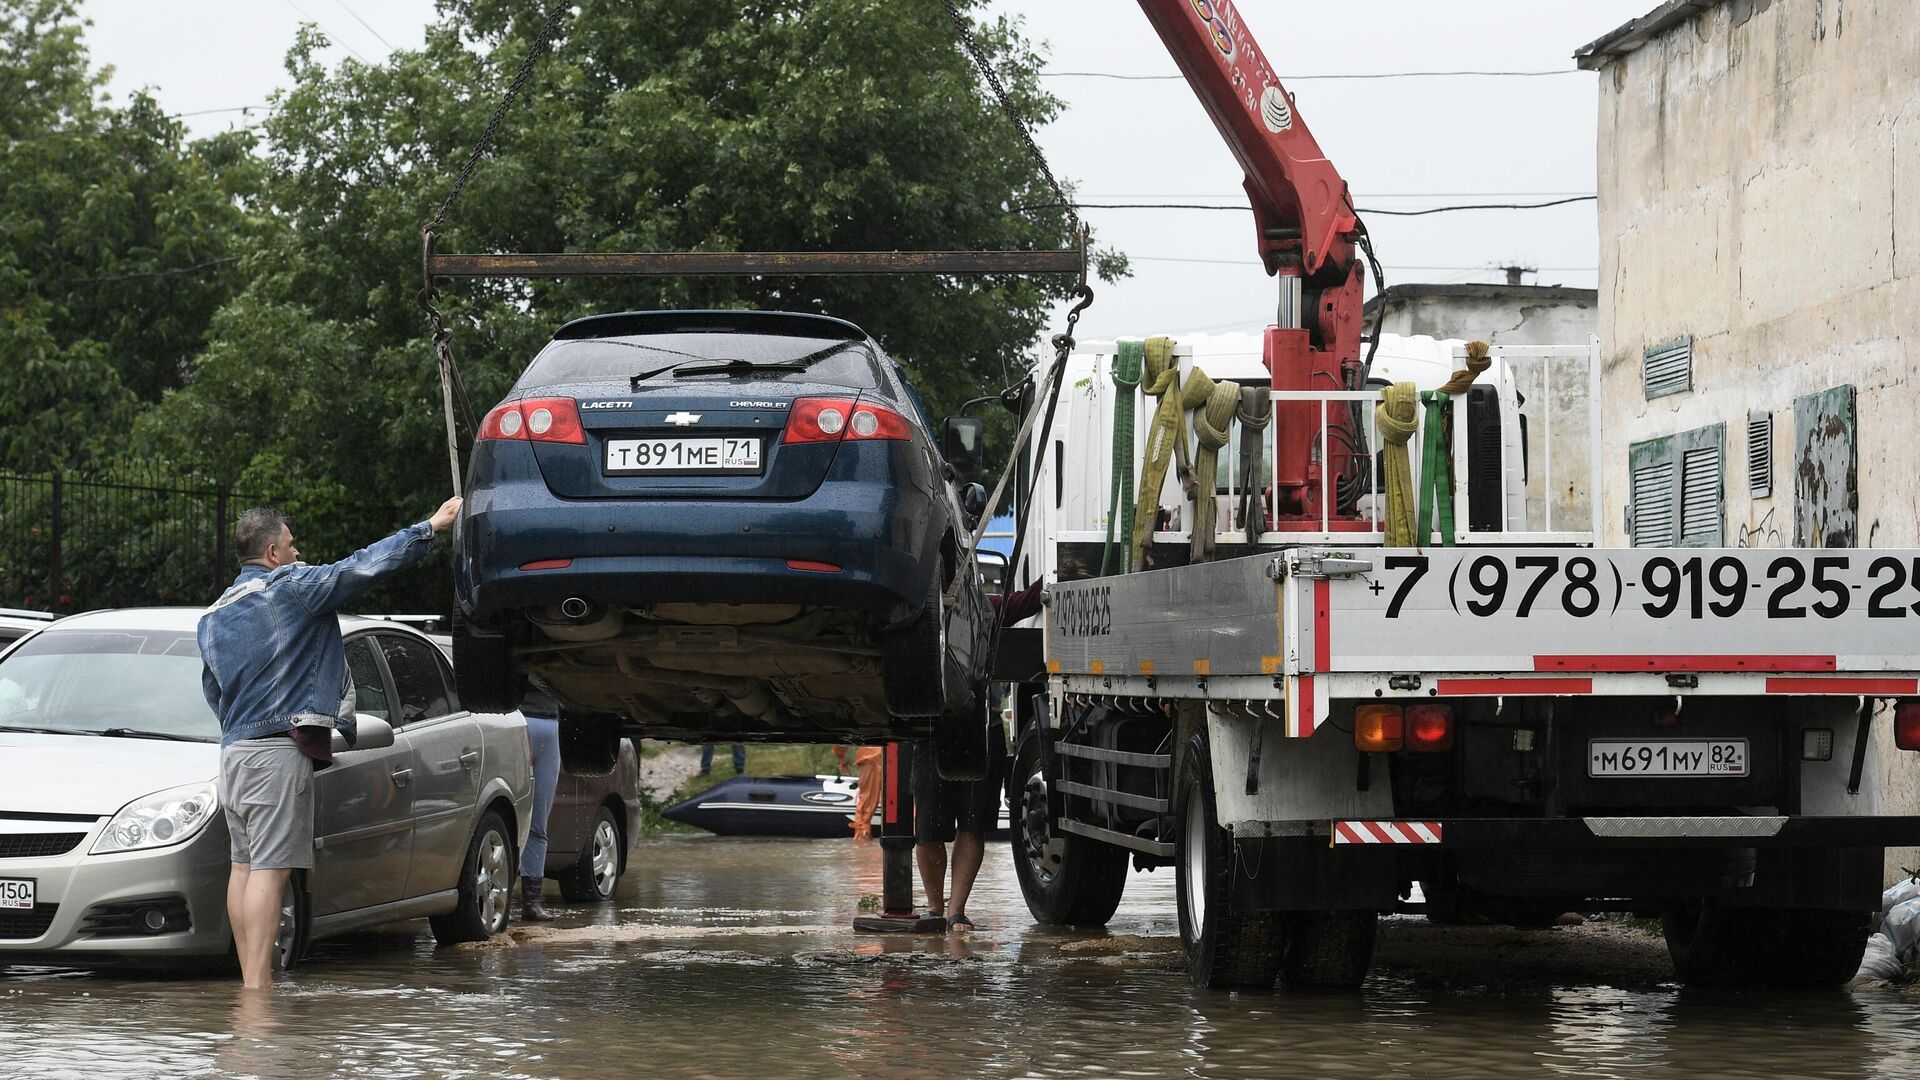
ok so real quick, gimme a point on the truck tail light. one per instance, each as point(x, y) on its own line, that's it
point(1378, 728)
point(1906, 724)
point(1429, 727)
point(813, 420)
point(555, 420)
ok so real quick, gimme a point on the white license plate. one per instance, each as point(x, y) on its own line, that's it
point(16, 893)
point(722, 455)
point(1667, 757)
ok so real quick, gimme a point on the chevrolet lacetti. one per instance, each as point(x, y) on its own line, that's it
point(724, 524)
point(113, 845)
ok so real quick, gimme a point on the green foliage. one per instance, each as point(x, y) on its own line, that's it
point(248, 308)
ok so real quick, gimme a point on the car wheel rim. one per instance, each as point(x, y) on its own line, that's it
point(1044, 852)
point(286, 940)
point(1193, 864)
point(491, 881)
point(606, 857)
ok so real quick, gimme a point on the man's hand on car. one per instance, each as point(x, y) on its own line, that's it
point(442, 518)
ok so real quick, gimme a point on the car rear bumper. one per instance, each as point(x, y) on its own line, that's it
point(838, 548)
point(76, 885)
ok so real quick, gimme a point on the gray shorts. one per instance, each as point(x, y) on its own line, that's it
point(266, 786)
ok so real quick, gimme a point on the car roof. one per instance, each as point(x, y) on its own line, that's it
point(183, 619)
point(787, 323)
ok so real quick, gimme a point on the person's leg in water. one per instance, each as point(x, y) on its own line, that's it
point(934, 802)
point(969, 851)
point(543, 734)
point(932, 858)
point(979, 808)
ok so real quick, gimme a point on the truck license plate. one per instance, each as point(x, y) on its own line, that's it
point(723, 455)
point(16, 893)
point(1667, 757)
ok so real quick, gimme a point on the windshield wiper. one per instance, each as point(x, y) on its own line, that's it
point(135, 733)
point(737, 366)
point(40, 730)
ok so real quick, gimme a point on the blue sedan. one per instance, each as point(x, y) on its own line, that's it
point(724, 525)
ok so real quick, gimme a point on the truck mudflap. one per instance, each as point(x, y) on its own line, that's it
point(1575, 833)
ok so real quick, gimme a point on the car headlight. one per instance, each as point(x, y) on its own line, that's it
point(161, 819)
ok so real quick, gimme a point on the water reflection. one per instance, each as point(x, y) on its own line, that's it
point(732, 958)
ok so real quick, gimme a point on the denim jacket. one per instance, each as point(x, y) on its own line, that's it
point(271, 644)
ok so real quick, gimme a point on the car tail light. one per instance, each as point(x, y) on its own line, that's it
point(1378, 728)
point(834, 419)
point(1430, 727)
point(555, 420)
point(1906, 724)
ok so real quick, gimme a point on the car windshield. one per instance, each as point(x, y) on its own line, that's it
point(88, 681)
point(618, 359)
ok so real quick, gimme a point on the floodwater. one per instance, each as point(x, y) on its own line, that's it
point(734, 958)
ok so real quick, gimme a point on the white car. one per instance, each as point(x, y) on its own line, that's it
point(113, 846)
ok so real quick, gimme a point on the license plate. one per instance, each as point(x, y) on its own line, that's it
point(722, 455)
point(1667, 757)
point(16, 893)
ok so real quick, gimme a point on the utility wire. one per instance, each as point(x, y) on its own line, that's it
point(1324, 75)
point(174, 272)
point(331, 36)
point(365, 23)
point(1362, 210)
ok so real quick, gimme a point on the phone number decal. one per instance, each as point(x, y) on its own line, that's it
point(1683, 587)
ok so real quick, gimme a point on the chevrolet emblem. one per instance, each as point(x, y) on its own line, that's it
point(683, 419)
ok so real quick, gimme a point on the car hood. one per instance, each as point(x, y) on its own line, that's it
point(92, 774)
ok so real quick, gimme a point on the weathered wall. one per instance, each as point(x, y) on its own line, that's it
point(1524, 315)
point(1759, 182)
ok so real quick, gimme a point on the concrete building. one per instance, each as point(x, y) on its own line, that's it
point(1759, 214)
point(1517, 314)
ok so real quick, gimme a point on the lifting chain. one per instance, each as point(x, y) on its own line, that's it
point(450, 382)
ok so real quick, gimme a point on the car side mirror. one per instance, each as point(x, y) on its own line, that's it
point(963, 442)
point(973, 503)
point(370, 733)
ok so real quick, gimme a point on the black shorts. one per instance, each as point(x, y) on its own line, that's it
point(942, 807)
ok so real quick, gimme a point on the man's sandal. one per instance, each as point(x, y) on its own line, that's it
point(959, 922)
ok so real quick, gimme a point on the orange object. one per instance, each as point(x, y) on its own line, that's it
point(1378, 728)
point(867, 759)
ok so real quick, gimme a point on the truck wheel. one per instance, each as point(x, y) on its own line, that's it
point(913, 660)
point(960, 742)
point(1225, 949)
point(1790, 948)
point(483, 672)
point(1328, 950)
point(1068, 880)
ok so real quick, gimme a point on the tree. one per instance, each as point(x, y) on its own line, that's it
point(653, 125)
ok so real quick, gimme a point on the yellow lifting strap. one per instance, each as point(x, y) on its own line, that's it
point(1166, 436)
point(1397, 423)
point(1214, 405)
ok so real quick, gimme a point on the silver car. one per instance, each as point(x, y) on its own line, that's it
point(112, 843)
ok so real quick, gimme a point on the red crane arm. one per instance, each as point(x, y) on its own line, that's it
point(1299, 200)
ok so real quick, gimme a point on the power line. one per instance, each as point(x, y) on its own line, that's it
point(1325, 75)
point(331, 36)
point(210, 112)
point(1367, 195)
point(1362, 210)
point(365, 23)
point(174, 272)
point(1488, 267)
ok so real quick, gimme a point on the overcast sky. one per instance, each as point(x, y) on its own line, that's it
point(1401, 143)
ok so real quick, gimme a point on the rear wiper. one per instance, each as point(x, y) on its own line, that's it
point(135, 733)
point(737, 366)
point(39, 730)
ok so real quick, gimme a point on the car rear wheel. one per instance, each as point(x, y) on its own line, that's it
point(483, 670)
point(595, 878)
point(914, 660)
point(486, 882)
point(290, 943)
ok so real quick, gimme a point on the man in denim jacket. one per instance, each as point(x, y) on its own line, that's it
point(274, 673)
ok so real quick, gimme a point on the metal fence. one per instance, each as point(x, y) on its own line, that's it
point(71, 542)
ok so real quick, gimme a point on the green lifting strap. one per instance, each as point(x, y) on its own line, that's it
point(1166, 435)
point(1436, 477)
point(1127, 362)
point(1214, 405)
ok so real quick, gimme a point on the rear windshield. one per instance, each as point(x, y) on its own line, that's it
point(86, 681)
point(851, 364)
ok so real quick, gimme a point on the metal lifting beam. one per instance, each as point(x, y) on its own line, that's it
point(744, 263)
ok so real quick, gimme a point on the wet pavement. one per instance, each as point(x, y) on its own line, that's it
point(733, 958)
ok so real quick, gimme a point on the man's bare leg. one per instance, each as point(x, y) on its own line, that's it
point(236, 918)
point(260, 914)
point(969, 850)
point(933, 875)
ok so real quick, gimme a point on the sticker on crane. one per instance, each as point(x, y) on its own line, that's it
point(1216, 26)
point(1386, 832)
point(1275, 110)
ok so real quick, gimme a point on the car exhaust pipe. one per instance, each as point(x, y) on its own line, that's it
point(579, 619)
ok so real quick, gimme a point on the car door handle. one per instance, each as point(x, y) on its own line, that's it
point(470, 758)
point(402, 777)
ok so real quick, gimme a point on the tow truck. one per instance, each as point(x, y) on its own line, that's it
point(1497, 719)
